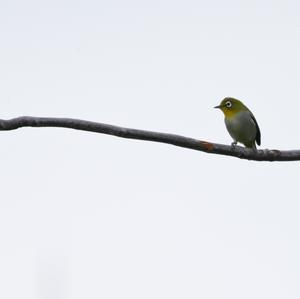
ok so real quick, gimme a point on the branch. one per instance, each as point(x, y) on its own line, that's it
point(177, 140)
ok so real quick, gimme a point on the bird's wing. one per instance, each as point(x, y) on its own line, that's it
point(257, 138)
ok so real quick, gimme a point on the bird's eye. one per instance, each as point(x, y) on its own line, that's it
point(228, 104)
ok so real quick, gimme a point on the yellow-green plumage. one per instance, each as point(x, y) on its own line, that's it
point(240, 122)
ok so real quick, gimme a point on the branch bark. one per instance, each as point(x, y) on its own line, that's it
point(177, 140)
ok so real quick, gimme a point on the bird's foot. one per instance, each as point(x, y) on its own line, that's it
point(233, 144)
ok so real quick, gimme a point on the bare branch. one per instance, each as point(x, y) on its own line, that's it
point(199, 145)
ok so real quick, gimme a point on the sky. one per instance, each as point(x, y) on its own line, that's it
point(84, 215)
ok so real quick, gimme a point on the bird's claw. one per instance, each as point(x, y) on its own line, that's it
point(233, 144)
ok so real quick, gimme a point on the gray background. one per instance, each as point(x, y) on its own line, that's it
point(84, 215)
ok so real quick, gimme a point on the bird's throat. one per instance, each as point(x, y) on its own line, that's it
point(229, 113)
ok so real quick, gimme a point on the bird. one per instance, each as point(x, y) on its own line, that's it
point(240, 123)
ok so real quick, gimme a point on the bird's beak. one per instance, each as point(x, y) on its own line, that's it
point(219, 106)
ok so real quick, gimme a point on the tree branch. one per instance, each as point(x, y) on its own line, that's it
point(177, 140)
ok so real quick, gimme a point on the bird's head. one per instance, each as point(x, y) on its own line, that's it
point(231, 106)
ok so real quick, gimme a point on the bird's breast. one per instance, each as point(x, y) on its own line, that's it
point(241, 127)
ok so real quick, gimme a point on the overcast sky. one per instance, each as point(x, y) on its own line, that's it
point(85, 215)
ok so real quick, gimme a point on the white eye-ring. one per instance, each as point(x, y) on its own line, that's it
point(228, 104)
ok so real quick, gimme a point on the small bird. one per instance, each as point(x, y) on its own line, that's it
point(240, 122)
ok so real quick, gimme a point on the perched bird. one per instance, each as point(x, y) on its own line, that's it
point(240, 122)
